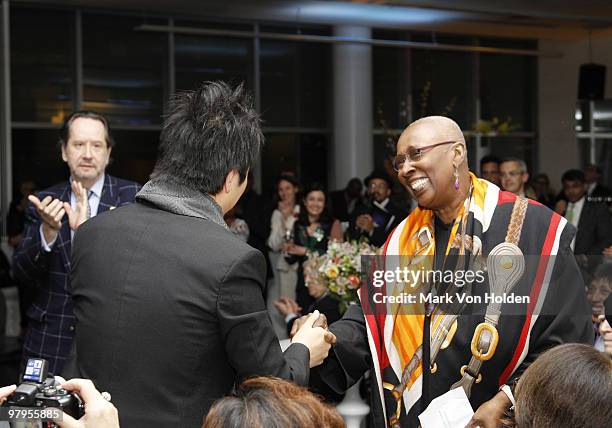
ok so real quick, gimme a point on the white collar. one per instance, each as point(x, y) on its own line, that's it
point(382, 205)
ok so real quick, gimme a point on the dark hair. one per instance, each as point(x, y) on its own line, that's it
point(352, 181)
point(604, 270)
point(573, 175)
point(569, 385)
point(206, 134)
point(267, 402)
point(325, 217)
point(489, 158)
point(87, 114)
point(287, 177)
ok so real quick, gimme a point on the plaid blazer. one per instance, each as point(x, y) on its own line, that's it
point(51, 321)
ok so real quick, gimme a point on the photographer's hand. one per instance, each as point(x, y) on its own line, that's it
point(5, 391)
point(99, 413)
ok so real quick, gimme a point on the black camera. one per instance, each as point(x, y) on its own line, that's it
point(39, 391)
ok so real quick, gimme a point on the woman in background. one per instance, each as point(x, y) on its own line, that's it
point(569, 385)
point(311, 233)
point(281, 231)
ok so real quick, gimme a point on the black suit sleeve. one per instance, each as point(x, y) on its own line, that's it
point(30, 261)
point(246, 330)
point(350, 357)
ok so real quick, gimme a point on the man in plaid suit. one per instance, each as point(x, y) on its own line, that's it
point(52, 218)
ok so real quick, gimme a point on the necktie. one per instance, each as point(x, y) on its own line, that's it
point(89, 193)
point(569, 213)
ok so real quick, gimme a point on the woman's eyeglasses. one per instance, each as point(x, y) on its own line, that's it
point(414, 155)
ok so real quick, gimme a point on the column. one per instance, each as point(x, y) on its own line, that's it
point(353, 150)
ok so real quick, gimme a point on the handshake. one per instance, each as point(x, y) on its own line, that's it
point(311, 331)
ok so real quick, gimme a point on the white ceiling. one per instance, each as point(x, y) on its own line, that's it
point(521, 18)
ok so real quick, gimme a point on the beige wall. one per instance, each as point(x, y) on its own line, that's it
point(558, 89)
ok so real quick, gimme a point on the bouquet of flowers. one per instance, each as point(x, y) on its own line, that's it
point(339, 269)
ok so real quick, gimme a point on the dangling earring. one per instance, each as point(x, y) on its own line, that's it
point(456, 174)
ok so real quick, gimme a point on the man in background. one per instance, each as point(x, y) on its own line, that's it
point(42, 259)
point(376, 220)
point(591, 219)
point(489, 169)
point(514, 177)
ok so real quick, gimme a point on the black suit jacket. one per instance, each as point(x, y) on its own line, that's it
point(170, 314)
point(393, 216)
point(594, 229)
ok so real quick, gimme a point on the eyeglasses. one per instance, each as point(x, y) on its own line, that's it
point(511, 174)
point(414, 155)
point(382, 186)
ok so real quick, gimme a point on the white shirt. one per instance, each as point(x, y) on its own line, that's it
point(94, 203)
point(576, 209)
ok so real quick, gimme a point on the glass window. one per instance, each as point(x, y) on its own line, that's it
point(384, 150)
point(124, 70)
point(36, 157)
point(513, 147)
point(295, 83)
point(134, 155)
point(203, 58)
point(442, 83)
point(508, 89)
point(603, 157)
point(305, 155)
point(391, 87)
point(42, 63)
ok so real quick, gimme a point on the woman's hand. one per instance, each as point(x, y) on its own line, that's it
point(295, 250)
point(287, 306)
point(491, 413)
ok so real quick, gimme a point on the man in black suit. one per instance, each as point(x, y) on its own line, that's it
point(381, 216)
point(169, 305)
point(590, 218)
point(596, 192)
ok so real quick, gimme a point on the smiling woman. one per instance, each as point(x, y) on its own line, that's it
point(459, 215)
point(429, 169)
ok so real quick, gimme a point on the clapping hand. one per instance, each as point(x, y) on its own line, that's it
point(287, 306)
point(294, 250)
point(365, 222)
point(51, 211)
point(79, 215)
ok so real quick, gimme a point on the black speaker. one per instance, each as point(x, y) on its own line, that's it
point(592, 82)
